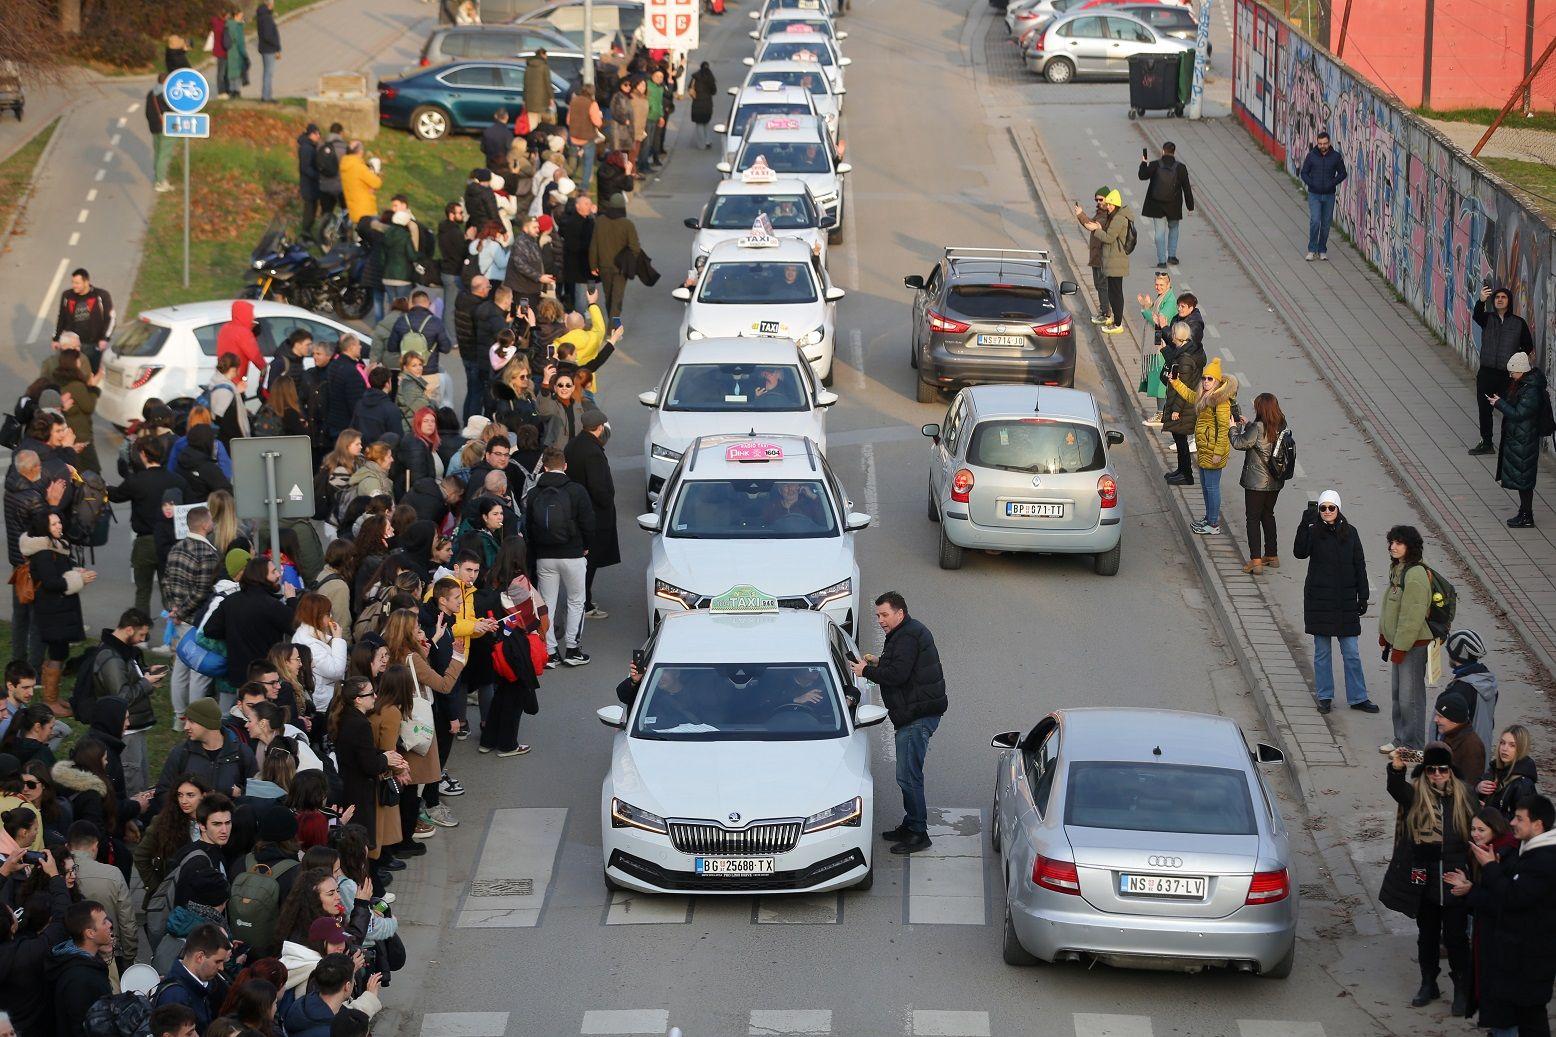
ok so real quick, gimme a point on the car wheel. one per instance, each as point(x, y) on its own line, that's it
point(610, 883)
point(934, 516)
point(928, 393)
point(429, 122)
point(1282, 969)
point(1059, 70)
point(1106, 563)
point(864, 884)
point(1010, 944)
point(994, 825)
point(354, 303)
point(950, 554)
point(913, 356)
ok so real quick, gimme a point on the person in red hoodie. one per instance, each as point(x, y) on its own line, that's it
point(237, 337)
point(219, 51)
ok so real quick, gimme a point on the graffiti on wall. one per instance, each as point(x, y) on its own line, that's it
point(1422, 212)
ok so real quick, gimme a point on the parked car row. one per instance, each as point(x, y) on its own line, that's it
point(1064, 40)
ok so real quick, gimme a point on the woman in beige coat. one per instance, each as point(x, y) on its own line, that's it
point(408, 647)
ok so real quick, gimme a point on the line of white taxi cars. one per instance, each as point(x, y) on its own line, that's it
point(741, 758)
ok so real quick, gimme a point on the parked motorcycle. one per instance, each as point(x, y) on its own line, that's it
point(287, 271)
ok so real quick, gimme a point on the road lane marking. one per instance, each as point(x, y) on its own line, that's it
point(81, 217)
point(75, 236)
point(817, 909)
point(100, 174)
point(107, 156)
point(464, 1024)
point(945, 882)
point(638, 1020)
point(124, 119)
point(766, 1022)
point(1212, 331)
point(1226, 354)
point(132, 109)
point(950, 1024)
point(631, 908)
point(867, 450)
point(49, 305)
point(1090, 1024)
point(91, 196)
point(114, 140)
point(513, 875)
point(1278, 1028)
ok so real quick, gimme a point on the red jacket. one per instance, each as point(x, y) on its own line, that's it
point(237, 336)
point(219, 35)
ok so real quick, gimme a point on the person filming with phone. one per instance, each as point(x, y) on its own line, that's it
point(1502, 334)
point(120, 671)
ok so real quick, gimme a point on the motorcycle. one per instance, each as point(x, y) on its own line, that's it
point(287, 271)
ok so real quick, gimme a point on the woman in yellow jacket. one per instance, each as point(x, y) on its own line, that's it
point(358, 183)
point(1213, 402)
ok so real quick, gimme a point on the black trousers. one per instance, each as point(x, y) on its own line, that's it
point(1116, 299)
point(1181, 442)
point(410, 808)
point(1260, 507)
point(1099, 281)
point(1488, 382)
point(310, 196)
point(1447, 925)
point(501, 731)
point(1526, 501)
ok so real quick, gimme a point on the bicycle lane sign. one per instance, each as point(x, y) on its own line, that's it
point(186, 91)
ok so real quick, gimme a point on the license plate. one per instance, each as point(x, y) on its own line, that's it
point(734, 865)
point(1188, 887)
point(1018, 510)
point(1001, 340)
point(767, 327)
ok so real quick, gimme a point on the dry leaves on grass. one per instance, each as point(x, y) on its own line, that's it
point(228, 205)
point(239, 123)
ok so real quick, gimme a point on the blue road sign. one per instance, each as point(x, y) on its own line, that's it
point(186, 91)
point(185, 125)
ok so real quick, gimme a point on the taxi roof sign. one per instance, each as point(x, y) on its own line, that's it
point(743, 599)
point(748, 451)
point(782, 122)
point(770, 84)
point(761, 235)
point(759, 172)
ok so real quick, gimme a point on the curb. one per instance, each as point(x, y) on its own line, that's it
point(1222, 598)
point(32, 180)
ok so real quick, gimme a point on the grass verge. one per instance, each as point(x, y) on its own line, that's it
point(16, 171)
point(246, 174)
point(1484, 116)
point(1536, 179)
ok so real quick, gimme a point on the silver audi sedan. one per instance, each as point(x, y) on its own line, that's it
point(1142, 838)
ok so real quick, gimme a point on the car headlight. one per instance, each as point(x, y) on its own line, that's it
point(259, 264)
point(693, 335)
point(664, 453)
point(827, 595)
point(680, 595)
point(847, 814)
point(625, 815)
point(814, 336)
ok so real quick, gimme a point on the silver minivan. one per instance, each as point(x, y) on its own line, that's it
point(1025, 468)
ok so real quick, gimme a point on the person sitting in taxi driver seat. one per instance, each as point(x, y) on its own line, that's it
point(792, 498)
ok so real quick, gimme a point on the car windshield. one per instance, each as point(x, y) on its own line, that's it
point(752, 509)
point(763, 109)
point(747, 702)
point(812, 81)
point(1036, 445)
point(1159, 797)
point(736, 387)
point(797, 50)
point(788, 156)
point(817, 25)
point(140, 338)
point(750, 284)
point(739, 211)
point(1002, 302)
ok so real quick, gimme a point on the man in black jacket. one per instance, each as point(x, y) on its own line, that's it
point(559, 523)
point(489, 317)
point(144, 489)
point(526, 267)
point(577, 226)
point(1167, 195)
point(210, 752)
point(453, 247)
point(27, 493)
point(376, 413)
point(344, 385)
point(1520, 894)
point(1502, 333)
point(269, 40)
point(495, 139)
point(913, 688)
point(77, 970)
point(308, 176)
point(480, 202)
point(590, 468)
point(88, 311)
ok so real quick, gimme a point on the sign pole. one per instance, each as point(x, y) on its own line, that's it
point(1201, 62)
point(186, 212)
point(588, 47)
point(273, 505)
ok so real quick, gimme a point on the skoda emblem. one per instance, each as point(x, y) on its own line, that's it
point(1037, 480)
point(734, 817)
point(1161, 861)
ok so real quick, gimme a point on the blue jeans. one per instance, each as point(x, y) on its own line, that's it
point(474, 388)
point(581, 295)
point(1210, 483)
point(586, 166)
point(268, 68)
point(1320, 211)
point(1166, 239)
point(912, 747)
point(1323, 671)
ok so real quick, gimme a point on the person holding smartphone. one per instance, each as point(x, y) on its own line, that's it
point(120, 671)
point(1503, 334)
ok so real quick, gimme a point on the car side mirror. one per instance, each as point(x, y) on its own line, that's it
point(754, 34)
point(844, 168)
point(649, 398)
point(724, 167)
point(1115, 437)
point(856, 521)
point(932, 430)
point(755, 16)
point(1268, 754)
point(1068, 288)
point(914, 281)
point(613, 716)
point(721, 127)
point(842, 35)
point(834, 294)
point(692, 223)
point(827, 221)
point(840, 91)
point(868, 715)
point(826, 398)
point(845, 61)
point(649, 523)
point(1007, 740)
point(682, 293)
point(748, 62)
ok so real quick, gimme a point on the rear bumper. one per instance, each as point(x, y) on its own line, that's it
point(963, 532)
point(955, 370)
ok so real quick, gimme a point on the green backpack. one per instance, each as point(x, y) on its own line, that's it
point(256, 902)
point(1443, 605)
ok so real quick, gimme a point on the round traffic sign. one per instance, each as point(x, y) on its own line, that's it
point(186, 91)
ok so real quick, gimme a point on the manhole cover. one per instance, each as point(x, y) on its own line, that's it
point(504, 888)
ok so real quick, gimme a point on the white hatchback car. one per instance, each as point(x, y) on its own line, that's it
point(736, 203)
point(742, 763)
point(797, 147)
point(170, 353)
point(754, 508)
point(761, 285)
point(730, 385)
point(761, 101)
point(805, 46)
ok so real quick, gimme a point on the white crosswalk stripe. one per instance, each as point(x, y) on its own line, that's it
point(464, 1024)
point(629, 908)
point(514, 872)
point(632, 1020)
point(820, 909)
point(1090, 1024)
point(1278, 1028)
point(950, 1024)
point(945, 882)
point(789, 1022)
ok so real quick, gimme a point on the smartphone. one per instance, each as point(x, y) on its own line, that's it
point(1411, 756)
point(1312, 505)
point(1144, 155)
point(637, 659)
point(35, 856)
point(615, 322)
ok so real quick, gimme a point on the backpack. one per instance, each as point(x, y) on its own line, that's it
point(84, 692)
point(256, 902)
point(413, 341)
point(1131, 237)
point(1547, 418)
point(119, 1015)
point(15, 422)
point(90, 515)
point(1283, 456)
point(531, 477)
point(265, 422)
point(552, 522)
point(160, 901)
point(1443, 604)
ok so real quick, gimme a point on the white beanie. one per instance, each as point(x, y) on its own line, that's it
point(496, 182)
point(401, 218)
point(566, 186)
point(1518, 363)
point(1330, 497)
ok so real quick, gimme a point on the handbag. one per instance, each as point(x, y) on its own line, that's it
point(388, 792)
point(537, 653)
point(416, 731)
point(204, 655)
point(22, 581)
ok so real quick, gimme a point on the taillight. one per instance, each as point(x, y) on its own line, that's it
point(426, 62)
point(1059, 876)
point(1107, 489)
point(387, 93)
point(144, 374)
point(1269, 886)
point(938, 322)
point(961, 486)
point(1058, 329)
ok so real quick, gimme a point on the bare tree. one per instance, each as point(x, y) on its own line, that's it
point(30, 36)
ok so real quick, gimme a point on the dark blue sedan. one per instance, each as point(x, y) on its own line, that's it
point(460, 97)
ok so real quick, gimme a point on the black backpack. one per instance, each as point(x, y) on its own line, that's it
point(83, 694)
point(1283, 456)
point(552, 521)
point(119, 1015)
point(1131, 237)
point(1443, 604)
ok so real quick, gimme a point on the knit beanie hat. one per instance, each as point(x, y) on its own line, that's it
point(1465, 644)
point(1330, 497)
point(1114, 198)
point(1451, 706)
point(1102, 192)
point(1518, 363)
point(237, 558)
point(1212, 369)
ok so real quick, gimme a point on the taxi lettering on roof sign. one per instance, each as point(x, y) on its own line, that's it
point(782, 122)
point(743, 599)
point(799, 27)
point(749, 451)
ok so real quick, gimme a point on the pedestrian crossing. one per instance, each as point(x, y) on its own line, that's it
point(822, 1022)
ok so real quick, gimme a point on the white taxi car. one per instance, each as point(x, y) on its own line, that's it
point(805, 46)
point(792, 19)
point(790, 208)
point(758, 102)
point(827, 99)
point(797, 147)
point(741, 763)
point(763, 509)
point(723, 385)
point(768, 7)
point(761, 285)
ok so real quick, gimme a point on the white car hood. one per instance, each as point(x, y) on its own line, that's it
point(782, 568)
point(757, 780)
point(795, 320)
point(707, 238)
point(677, 429)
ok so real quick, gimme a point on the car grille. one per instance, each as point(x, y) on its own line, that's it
point(783, 603)
point(654, 875)
point(764, 837)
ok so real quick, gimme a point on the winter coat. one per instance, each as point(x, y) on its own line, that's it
point(329, 656)
point(56, 609)
point(583, 517)
point(1468, 753)
point(1402, 621)
point(1256, 457)
point(24, 498)
point(77, 979)
point(525, 266)
point(704, 90)
point(621, 124)
point(1501, 337)
point(121, 673)
point(327, 161)
point(229, 766)
point(201, 474)
point(344, 386)
point(1334, 595)
point(1513, 784)
point(1518, 453)
point(360, 763)
point(1398, 892)
point(23, 960)
point(480, 205)
point(83, 405)
point(613, 232)
point(577, 233)
point(613, 179)
point(1094, 238)
point(251, 622)
point(307, 165)
point(237, 336)
point(1179, 416)
point(1213, 420)
point(539, 94)
point(495, 138)
point(415, 459)
point(359, 184)
point(1115, 261)
point(223, 459)
point(203, 999)
point(1520, 964)
point(376, 415)
point(427, 767)
point(144, 490)
point(310, 1017)
point(1168, 192)
point(237, 58)
point(909, 674)
point(588, 466)
point(370, 480)
point(399, 254)
point(269, 37)
point(1321, 173)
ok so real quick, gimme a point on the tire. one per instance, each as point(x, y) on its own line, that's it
point(429, 122)
point(934, 516)
point(1106, 563)
point(1010, 944)
point(1282, 969)
point(1059, 70)
point(1133, 115)
point(927, 393)
point(864, 885)
point(913, 356)
point(950, 554)
point(354, 303)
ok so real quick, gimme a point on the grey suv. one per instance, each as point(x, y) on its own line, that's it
point(991, 315)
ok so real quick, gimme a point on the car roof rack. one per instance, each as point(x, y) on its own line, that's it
point(1037, 256)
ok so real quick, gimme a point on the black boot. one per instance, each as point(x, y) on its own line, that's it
point(1427, 994)
point(1522, 520)
point(1461, 999)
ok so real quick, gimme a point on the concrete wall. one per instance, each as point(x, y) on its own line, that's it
point(1429, 217)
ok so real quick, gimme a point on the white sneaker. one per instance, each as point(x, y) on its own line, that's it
point(1310, 256)
point(1152, 423)
point(162, 187)
point(1324, 256)
point(1386, 748)
point(518, 751)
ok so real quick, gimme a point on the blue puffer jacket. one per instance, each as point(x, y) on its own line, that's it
point(1323, 173)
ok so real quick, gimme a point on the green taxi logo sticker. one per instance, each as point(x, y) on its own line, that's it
point(743, 598)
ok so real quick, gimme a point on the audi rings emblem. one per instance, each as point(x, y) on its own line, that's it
point(1159, 861)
